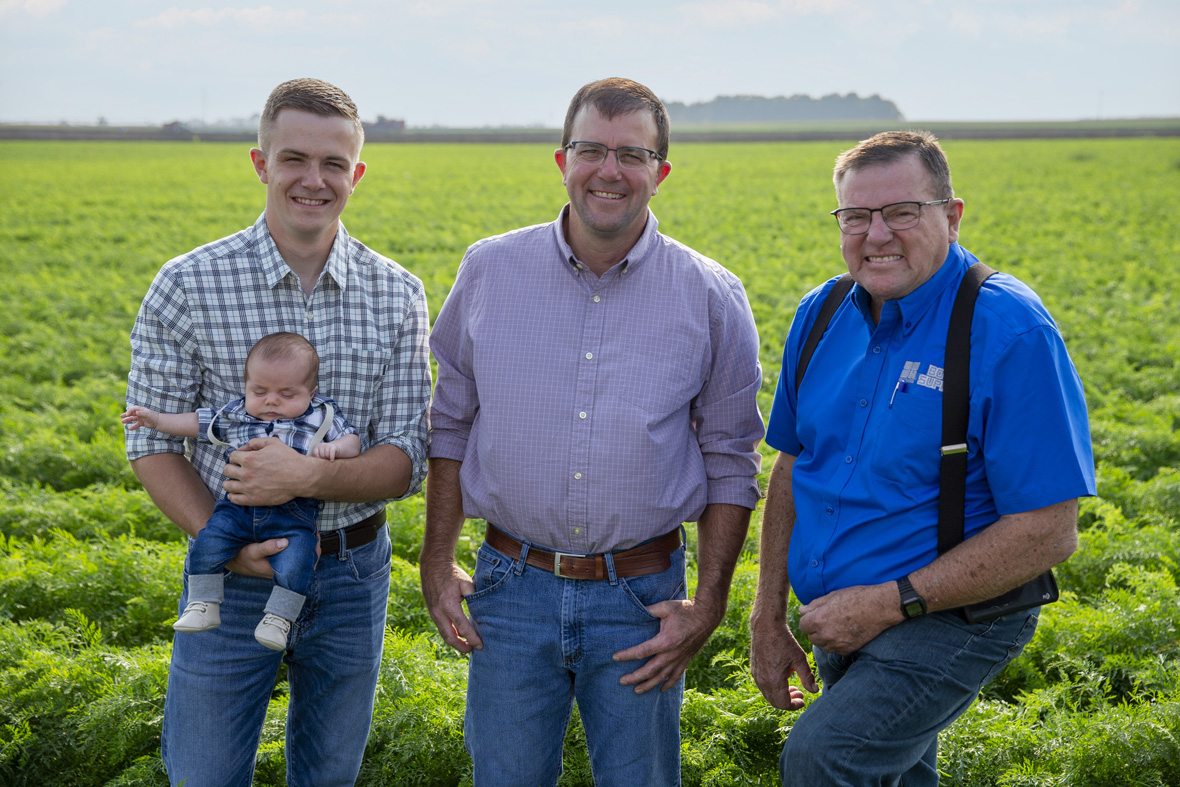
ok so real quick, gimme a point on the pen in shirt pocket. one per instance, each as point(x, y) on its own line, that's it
point(899, 387)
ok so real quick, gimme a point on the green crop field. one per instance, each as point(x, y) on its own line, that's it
point(90, 571)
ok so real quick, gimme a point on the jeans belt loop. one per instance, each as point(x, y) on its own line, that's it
point(521, 559)
point(610, 569)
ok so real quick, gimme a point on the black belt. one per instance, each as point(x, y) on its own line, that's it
point(354, 535)
point(650, 558)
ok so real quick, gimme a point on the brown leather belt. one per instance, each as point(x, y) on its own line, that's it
point(354, 535)
point(650, 558)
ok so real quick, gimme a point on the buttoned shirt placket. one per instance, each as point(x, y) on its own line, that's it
point(593, 316)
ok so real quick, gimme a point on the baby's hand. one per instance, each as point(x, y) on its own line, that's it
point(137, 416)
point(325, 451)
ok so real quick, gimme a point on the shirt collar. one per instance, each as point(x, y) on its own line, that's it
point(275, 268)
point(915, 305)
point(638, 253)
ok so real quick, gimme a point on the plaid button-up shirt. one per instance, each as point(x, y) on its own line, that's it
point(235, 427)
point(366, 318)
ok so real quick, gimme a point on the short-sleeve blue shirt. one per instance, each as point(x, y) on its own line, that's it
point(868, 430)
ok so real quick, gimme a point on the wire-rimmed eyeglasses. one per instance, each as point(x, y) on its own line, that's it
point(897, 216)
point(594, 153)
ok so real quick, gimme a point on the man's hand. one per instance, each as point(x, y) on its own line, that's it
point(845, 620)
point(685, 626)
point(266, 472)
point(251, 560)
point(774, 655)
point(444, 588)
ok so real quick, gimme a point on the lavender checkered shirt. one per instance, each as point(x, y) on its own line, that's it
point(366, 318)
point(592, 414)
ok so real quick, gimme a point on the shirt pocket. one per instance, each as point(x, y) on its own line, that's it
point(351, 373)
point(664, 372)
point(907, 439)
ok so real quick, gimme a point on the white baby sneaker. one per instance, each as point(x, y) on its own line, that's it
point(272, 632)
point(199, 616)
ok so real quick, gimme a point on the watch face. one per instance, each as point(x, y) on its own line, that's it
point(913, 608)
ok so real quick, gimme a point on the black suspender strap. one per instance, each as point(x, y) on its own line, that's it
point(832, 302)
point(956, 393)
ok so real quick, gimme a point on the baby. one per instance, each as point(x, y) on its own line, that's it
point(281, 401)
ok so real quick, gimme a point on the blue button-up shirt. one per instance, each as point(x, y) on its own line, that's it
point(591, 413)
point(867, 426)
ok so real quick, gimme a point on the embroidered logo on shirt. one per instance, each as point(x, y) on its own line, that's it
point(931, 378)
point(909, 372)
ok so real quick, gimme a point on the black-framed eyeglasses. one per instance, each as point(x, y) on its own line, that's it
point(594, 153)
point(897, 216)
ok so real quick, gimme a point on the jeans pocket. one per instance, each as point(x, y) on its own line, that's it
point(492, 570)
point(372, 560)
point(643, 591)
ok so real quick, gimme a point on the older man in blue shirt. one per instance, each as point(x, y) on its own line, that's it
point(596, 389)
point(851, 518)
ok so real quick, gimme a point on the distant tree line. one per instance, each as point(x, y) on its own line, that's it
point(760, 109)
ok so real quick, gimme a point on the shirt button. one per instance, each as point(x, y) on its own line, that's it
point(582, 414)
point(589, 356)
point(864, 402)
point(814, 563)
point(578, 476)
point(829, 510)
point(876, 351)
point(848, 460)
point(577, 531)
point(597, 298)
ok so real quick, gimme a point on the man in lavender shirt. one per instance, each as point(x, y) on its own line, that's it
point(596, 389)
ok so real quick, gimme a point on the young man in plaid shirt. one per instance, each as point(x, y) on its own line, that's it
point(296, 269)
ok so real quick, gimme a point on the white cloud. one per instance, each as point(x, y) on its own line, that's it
point(36, 8)
point(967, 22)
point(728, 13)
point(181, 17)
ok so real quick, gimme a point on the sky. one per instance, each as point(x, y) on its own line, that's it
point(475, 63)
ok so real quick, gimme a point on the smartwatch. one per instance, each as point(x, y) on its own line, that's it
point(912, 605)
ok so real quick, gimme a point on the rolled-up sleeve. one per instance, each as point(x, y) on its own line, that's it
point(456, 398)
point(402, 403)
point(164, 374)
point(725, 412)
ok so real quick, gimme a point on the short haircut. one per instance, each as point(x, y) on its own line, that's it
point(889, 147)
point(617, 96)
point(308, 95)
point(289, 348)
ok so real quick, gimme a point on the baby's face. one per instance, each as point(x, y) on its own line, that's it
point(276, 389)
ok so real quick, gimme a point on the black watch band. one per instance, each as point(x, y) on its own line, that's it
point(912, 605)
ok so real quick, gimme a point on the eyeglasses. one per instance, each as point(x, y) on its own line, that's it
point(897, 215)
point(593, 153)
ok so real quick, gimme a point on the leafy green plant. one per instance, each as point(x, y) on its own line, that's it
point(90, 572)
point(126, 586)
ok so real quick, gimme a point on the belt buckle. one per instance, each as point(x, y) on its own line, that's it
point(557, 556)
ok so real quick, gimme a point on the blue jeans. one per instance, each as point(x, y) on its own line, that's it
point(220, 681)
point(231, 527)
point(882, 708)
point(548, 641)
